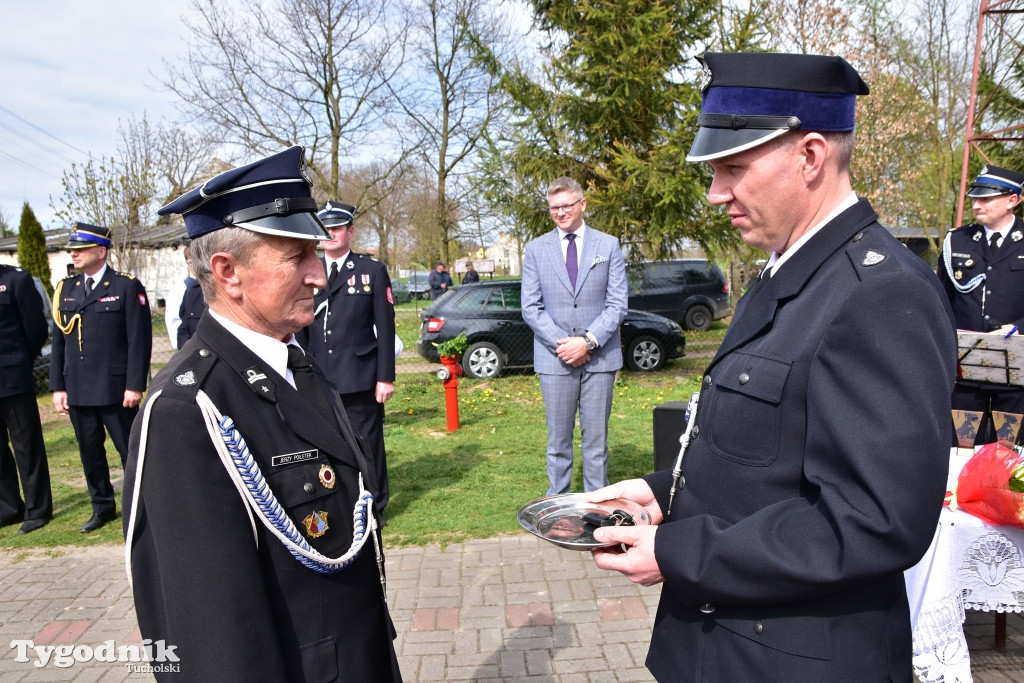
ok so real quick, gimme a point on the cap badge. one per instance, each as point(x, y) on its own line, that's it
point(186, 379)
point(316, 524)
point(872, 258)
point(705, 77)
point(327, 476)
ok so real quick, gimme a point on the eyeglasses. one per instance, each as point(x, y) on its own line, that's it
point(564, 207)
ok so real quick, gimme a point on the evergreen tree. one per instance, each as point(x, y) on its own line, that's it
point(32, 248)
point(615, 109)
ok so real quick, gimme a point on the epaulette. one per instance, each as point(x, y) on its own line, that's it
point(191, 374)
point(128, 276)
point(868, 256)
point(966, 227)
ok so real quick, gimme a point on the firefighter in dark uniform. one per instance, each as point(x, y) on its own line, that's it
point(102, 340)
point(251, 537)
point(23, 328)
point(982, 272)
point(815, 465)
point(193, 305)
point(353, 336)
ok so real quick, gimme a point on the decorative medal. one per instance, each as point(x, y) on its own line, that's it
point(351, 282)
point(365, 277)
point(316, 524)
point(958, 275)
point(327, 477)
point(969, 262)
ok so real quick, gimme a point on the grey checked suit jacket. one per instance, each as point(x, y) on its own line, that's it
point(553, 310)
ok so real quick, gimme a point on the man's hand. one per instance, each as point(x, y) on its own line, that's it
point(636, 490)
point(384, 391)
point(573, 351)
point(60, 401)
point(131, 398)
point(633, 557)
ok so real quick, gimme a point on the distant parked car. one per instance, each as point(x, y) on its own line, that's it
point(693, 292)
point(418, 285)
point(400, 291)
point(491, 314)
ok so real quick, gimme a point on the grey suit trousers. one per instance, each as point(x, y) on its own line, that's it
point(591, 394)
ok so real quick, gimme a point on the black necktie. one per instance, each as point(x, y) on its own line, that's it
point(571, 262)
point(993, 243)
point(306, 384)
point(333, 276)
point(88, 286)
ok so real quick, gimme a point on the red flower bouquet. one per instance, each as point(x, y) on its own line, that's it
point(991, 486)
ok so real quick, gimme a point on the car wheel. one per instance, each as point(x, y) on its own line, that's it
point(697, 318)
point(645, 353)
point(483, 360)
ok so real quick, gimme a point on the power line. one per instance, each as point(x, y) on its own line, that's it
point(44, 132)
point(28, 165)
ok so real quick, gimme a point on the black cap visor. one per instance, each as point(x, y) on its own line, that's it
point(300, 226)
point(985, 190)
point(715, 143)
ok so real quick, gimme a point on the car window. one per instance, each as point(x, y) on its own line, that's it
point(513, 297)
point(700, 274)
point(476, 300)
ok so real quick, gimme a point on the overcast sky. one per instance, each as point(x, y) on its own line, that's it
point(69, 71)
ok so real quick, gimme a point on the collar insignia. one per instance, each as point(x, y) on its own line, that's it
point(872, 258)
point(350, 264)
point(1016, 235)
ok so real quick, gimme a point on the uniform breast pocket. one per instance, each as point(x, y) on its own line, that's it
point(5, 299)
point(1017, 263)
point(745, 408)
point(313, 499)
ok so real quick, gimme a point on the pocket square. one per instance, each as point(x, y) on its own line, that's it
point(598, 260)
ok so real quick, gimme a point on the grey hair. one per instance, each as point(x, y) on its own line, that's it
point(238, 242)
point(565, 184)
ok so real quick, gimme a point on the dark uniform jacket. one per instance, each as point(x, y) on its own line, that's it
point(107, 351)
point(239, 608)
point(815, 474)
point(345, 347)
point(192, 307)
point(1003, 287)
point(22, 330)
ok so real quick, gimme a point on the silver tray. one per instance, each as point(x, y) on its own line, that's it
point(559, 519)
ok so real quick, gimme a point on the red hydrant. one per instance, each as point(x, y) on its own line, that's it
point(449, 374)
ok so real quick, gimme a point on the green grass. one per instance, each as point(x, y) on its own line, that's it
point(445, 487)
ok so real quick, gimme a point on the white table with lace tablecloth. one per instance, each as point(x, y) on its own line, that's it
point(969, 565)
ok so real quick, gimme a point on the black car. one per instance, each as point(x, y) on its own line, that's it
point(492, 316)
point(693, 291)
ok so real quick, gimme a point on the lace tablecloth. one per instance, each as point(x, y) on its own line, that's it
point(969, 565)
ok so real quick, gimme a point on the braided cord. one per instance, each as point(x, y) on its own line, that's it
point(70, 324)
point(947, 259)
point(251, 484)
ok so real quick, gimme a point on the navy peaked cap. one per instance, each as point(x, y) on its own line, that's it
point(271, 196)
point(84, 236)
point(751, 98)
point(993, 181)
point(336, 214)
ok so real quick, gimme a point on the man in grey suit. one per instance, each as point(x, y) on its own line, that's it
point(574, 299)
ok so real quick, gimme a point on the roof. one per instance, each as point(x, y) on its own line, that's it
point(152, 237)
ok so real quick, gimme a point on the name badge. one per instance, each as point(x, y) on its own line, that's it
point(292, 458)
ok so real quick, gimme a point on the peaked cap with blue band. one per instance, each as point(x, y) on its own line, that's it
point(271, 196)
point(751, 98)
point(336, 214)
point(993, 181)
point(84, 236)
